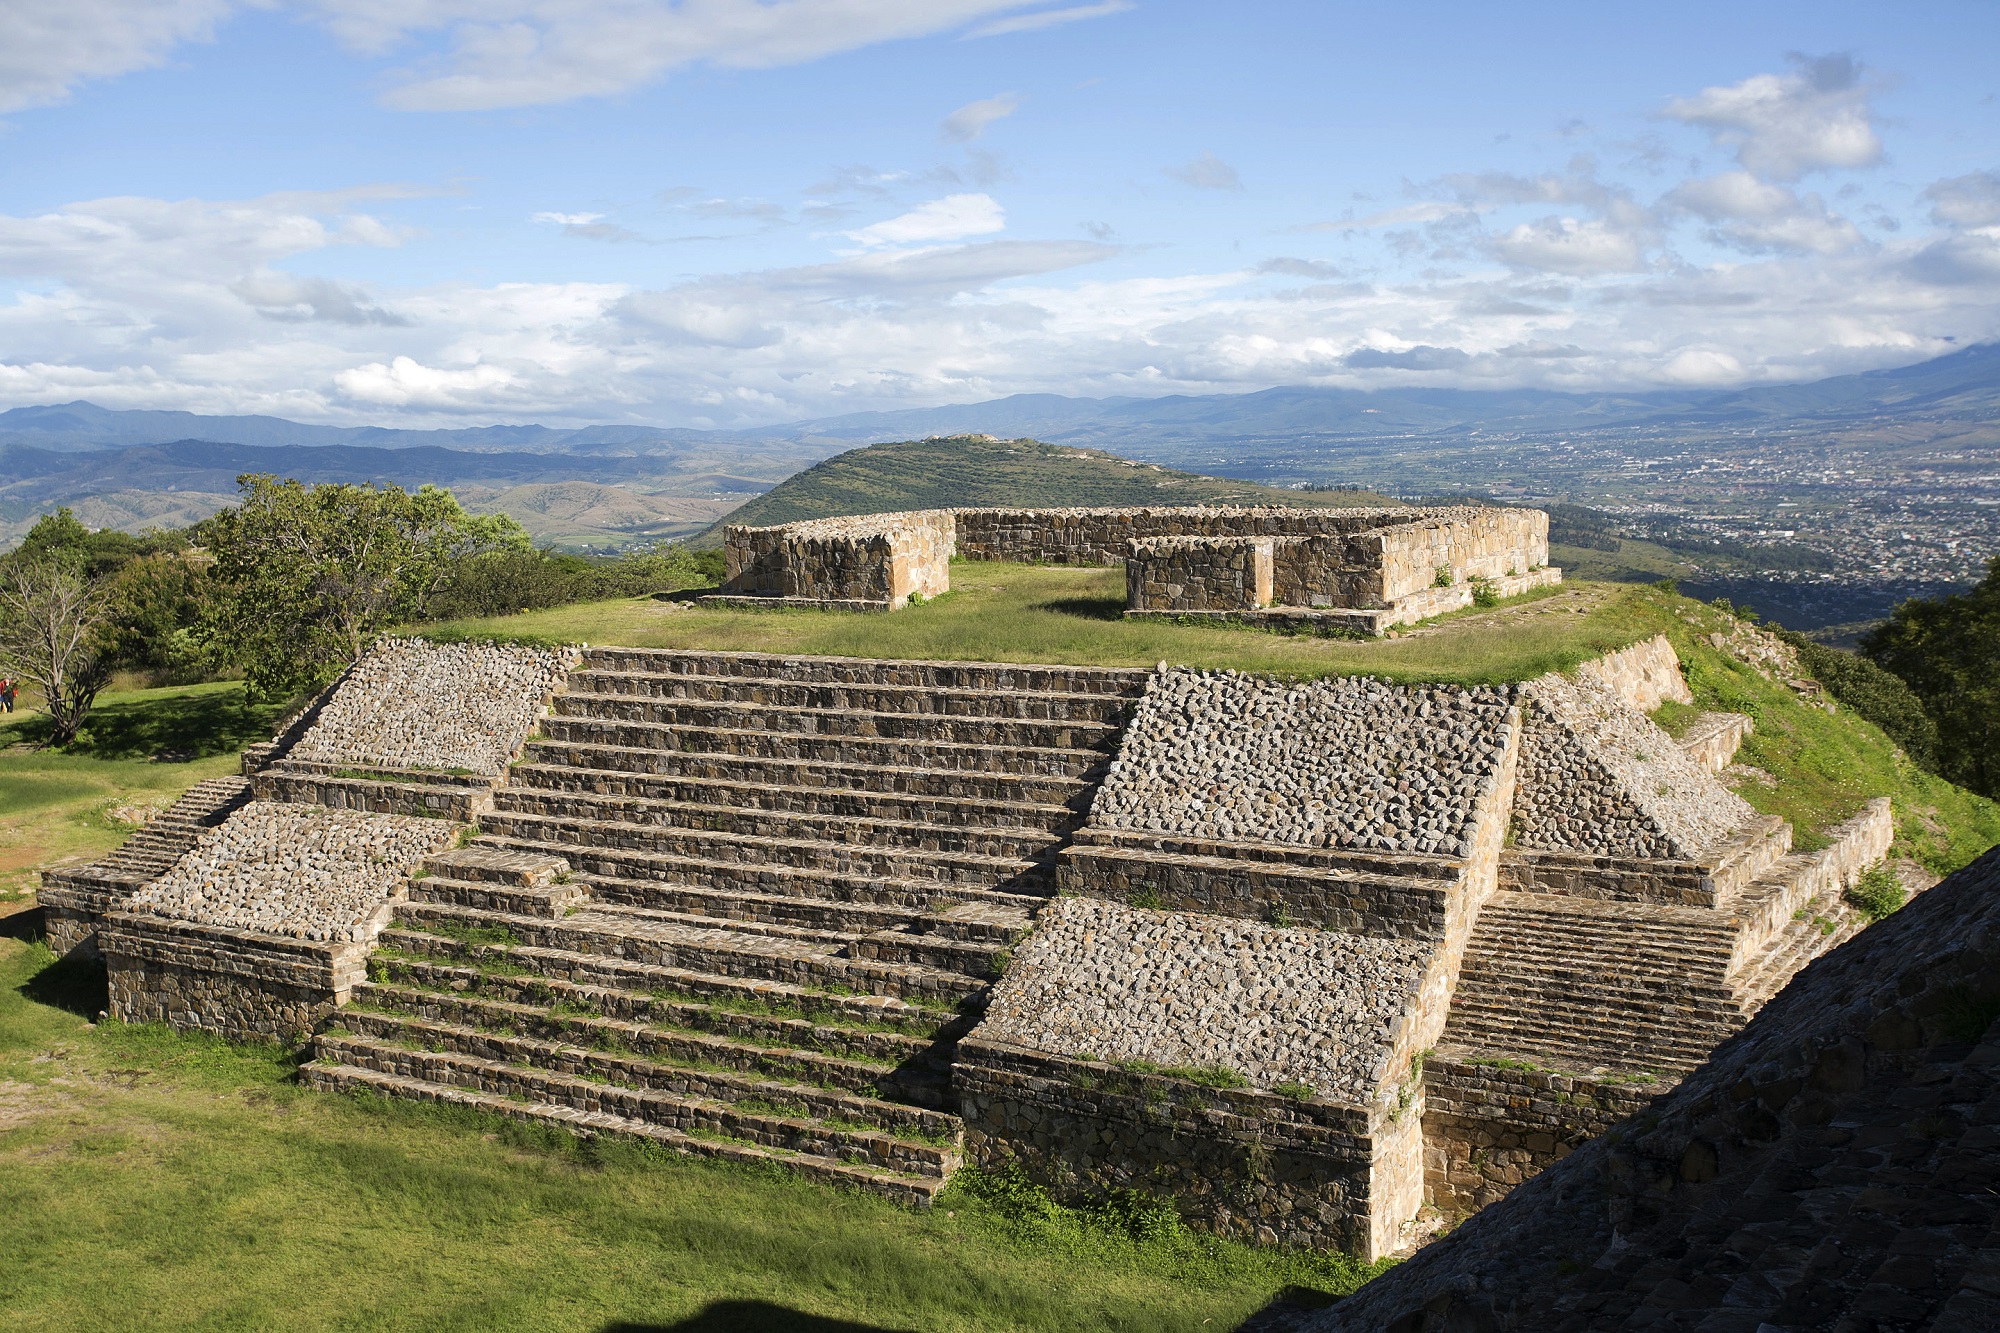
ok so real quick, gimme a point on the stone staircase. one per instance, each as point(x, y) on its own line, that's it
point(1586, 984)
point(741, 905)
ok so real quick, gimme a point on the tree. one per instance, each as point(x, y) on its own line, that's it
point(1947, 650)
point(306, 576)
point(53, 618)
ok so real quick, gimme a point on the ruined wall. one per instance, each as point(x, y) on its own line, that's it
point(244, 985)
point(1257, 1166)
point(1645, 674)
point(872, 558)
point(1104, 536)
point(1199, 573)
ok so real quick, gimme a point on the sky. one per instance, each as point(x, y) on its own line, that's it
point(726, 213)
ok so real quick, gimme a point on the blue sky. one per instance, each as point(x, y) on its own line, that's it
point(730, 212)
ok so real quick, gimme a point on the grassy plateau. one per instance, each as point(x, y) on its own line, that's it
point(149, 1179)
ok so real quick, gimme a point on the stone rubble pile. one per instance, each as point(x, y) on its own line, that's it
point(414, 704)
point(1598, 777)
point(312, 872)
point(1104, 981)
point(1348, 762)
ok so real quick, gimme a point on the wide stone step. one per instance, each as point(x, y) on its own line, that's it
point(657, 1094)
point(1028, 678)
point(871, 1074)
point(926, 700)
point(1545, 950)
point(917, 752)
point(520, 869)
point(984, 922)
point(1014, 843)
point(1670, 1042)
point(913, 1190)
point(770, 795)
point(988, 731)
point(891, 945)
point(765, 1016)
point(585, 841)
point(1580, 999)
point(710, 949)
point(635, 1057)
point(554, 901)
point(777, 881)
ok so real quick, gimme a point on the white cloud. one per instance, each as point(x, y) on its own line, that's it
point(1971, 200)
point(1756, 215)
point(1207, 172)
point(970, 121)
point(48, 47)
point(1704, 367)
point(1782, 126)
point(510, 53)
point(1049, 18)
point(952, 218)
point(1569, 245)
point(568, 219)
point(404, 382)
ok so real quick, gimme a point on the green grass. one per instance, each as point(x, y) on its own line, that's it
point(151, 1180)
point(139, 748)
point(1025, 613)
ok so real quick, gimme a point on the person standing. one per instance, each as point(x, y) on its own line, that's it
point(7, 689)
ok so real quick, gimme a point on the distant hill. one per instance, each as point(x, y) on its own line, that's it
point(969, 471)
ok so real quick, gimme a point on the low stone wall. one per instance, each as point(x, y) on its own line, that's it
point(1105, 536)
point(243, 985)
point(425, 795)
point(1645, 674)
point(876, 559)
point(1713, 739)
point(1253, 1165)
point(1488, 1128)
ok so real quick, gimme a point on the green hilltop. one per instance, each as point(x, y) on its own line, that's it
point(969, 471)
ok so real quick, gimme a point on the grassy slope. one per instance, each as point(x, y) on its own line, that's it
point(964, 472)
point(153, 1180)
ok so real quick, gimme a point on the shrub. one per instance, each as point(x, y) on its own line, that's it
point(1876, 894)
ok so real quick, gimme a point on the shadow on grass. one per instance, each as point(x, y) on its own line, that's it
point(26, 924)
point(73, 984)
point(1284, 1312)
point(1087, 608)
point(750, 1317)
point(173, 727)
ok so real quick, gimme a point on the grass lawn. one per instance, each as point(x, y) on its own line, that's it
point(154, 1180)
point(1041, 613)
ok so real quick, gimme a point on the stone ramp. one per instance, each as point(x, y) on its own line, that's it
point(1833, 1166)
point(740, 904)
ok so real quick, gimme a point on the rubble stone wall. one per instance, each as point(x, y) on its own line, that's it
point(882, 558)
point(1487, 1128)
point(1199, 573)
point(1257, 1166)
point(1105, 536)
point(244, 985)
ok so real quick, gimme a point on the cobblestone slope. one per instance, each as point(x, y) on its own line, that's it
point(415, 704)
point(1103, 981)
point(1349, 762)
point(1598, 776)
point(307, 871)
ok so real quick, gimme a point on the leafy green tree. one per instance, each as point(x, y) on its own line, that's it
point(306, 576)
point(1947, 649)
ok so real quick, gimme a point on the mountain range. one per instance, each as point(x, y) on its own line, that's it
point(1961, 385)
